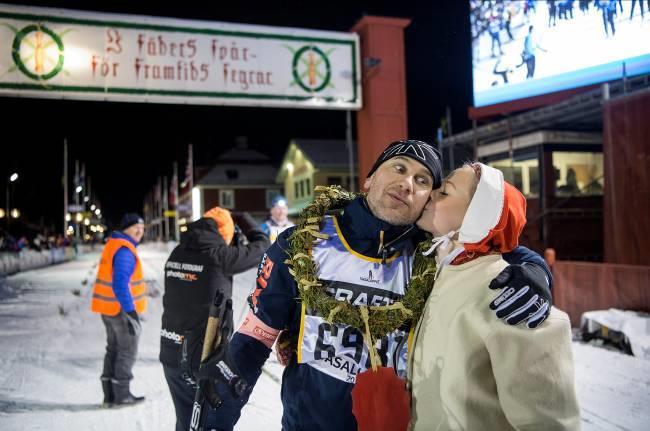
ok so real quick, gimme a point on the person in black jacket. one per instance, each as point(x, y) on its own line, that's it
point(203, 263)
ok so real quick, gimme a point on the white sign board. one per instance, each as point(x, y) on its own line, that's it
point(59, 53)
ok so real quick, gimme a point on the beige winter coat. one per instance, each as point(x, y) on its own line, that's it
point(470, 371)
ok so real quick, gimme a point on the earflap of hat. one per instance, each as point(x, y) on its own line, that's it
point(485, 208)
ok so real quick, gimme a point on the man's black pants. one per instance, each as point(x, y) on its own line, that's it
point(121, 350)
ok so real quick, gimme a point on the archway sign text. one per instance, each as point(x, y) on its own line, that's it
point(56, 53)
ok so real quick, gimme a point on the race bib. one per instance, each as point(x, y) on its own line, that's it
point(339, 350)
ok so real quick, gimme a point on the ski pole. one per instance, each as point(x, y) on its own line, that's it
point(205, 390)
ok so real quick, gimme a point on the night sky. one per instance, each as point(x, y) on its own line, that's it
point(126, 146)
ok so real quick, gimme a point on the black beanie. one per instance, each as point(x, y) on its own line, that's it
point(416, 150)
point(129, 220)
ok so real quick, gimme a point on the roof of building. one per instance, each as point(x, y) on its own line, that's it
point(581, 112)
point(240, 166)
point(238, 154)
point(239, 174)
point(321, 153)
point(325, 153)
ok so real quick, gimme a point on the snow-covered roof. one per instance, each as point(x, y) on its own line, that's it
point(239, 174)
point(326, 153)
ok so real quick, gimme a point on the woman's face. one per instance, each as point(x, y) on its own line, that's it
point(447, 207)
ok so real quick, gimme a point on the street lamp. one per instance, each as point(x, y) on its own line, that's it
point(12, 179)
point(92, 207)
point(2, 213)
point(15, 213)
point(79, 189)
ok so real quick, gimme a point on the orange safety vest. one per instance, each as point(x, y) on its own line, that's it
point(104, 300)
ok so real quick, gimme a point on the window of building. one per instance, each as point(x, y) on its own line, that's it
point(227, 198)
point(523, 173)
point(578, 173)
point(302, 188)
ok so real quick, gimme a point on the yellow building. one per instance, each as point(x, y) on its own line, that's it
point(309, 163)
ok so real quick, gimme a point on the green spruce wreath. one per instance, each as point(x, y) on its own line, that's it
point(379, 320)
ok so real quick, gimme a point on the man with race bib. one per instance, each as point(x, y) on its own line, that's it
point(363, 254)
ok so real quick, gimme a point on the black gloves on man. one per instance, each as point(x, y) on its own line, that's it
point(133, 322)
point(245, 221)
point(220, 369)
point(244, 224)
point(526, 295)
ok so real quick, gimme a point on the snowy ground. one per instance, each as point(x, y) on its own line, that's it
point(52, 347)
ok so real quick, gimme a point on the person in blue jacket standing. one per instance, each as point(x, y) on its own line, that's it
point(365, 259)
point(119, 296)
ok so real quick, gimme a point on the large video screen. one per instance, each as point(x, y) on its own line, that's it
point(523, 48)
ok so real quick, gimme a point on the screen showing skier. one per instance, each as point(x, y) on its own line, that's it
point(523, 48)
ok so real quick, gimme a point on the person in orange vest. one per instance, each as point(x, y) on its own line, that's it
point(119, 296)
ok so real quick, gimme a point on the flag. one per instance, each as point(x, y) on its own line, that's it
point(189, 170)
point(157, 198)
point(173, 188)
point(82, 177)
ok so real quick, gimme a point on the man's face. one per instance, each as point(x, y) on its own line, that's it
point(136, 231)
point(398, 190)
point(279, 213)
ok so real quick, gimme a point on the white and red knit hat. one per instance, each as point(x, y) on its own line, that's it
point(496, 215)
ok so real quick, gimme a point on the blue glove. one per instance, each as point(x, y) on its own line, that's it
point(526, 295)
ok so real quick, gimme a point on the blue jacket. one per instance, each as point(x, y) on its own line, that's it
point(311, 399)
point(123, 266)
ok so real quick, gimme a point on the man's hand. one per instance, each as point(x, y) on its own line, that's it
point(526, 295)
point(285, 347)
point(133, 322)
point(219, 368)
point(245, 221)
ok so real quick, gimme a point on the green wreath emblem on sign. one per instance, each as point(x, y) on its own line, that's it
point(311, 68)
point(38, 52)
